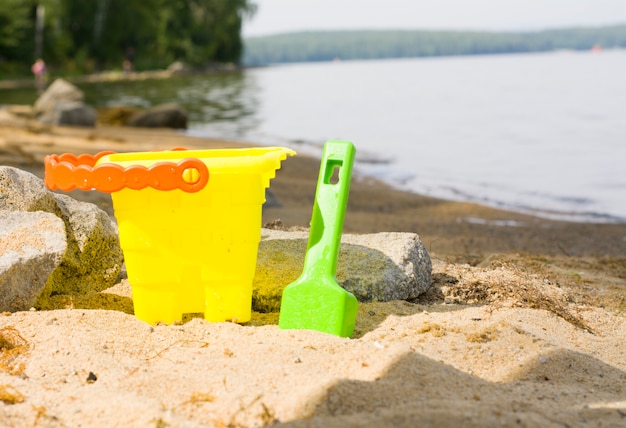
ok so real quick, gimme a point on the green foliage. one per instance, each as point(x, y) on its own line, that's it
point(15, 24)
point(347, 45)
point(88, 35)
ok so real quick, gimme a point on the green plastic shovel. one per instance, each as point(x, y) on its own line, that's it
point(315, 301)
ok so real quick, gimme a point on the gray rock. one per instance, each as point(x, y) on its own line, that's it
point(93, 257)
point(32, 245)
point(374, 267)
point(62, 104)
point(169, 115)
point(22, 191)
point(60, 90)
point(71, 113)
point(179, 67)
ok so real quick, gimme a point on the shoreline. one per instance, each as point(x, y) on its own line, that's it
point(365, 160)
point(516, 197)
point(453, 227)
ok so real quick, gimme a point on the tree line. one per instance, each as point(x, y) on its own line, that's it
point(348, 45)
point(88, 35)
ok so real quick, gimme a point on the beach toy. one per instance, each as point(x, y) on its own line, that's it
point(315, 301)
point(189, 224)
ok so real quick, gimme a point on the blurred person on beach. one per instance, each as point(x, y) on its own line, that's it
point(129, 60)
point(39, 70)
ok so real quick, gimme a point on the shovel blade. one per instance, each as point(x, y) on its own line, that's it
point(320, 305)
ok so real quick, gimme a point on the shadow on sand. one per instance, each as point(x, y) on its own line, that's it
point(419, 391)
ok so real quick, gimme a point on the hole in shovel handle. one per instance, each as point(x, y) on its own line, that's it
point(331, 175)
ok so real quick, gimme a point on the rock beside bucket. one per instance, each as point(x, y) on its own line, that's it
point(375, 267)
point(51, 244)
point(32, 245)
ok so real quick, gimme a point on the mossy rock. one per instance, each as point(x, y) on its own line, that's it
point(116, 116)
point(375, 268)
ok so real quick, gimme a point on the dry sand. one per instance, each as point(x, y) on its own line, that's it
point(525, 325)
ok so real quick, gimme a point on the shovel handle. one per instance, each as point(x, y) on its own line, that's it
point(329, 209)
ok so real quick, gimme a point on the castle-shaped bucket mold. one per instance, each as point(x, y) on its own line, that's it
point(192, 253)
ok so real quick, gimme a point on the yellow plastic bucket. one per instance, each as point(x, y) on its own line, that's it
point(187, 253)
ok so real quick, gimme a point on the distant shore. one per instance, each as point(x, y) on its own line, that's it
point(176, 69)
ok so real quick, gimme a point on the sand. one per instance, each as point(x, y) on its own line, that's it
point(525, 325)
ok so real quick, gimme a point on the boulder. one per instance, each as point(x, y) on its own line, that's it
point(23, 191)
point(59, 91)
point(374, 267)
point(62, 104)
point(32, 245)
point(179, 67)
point(116, 115)
point(70, 113)
point(169, 115)
point(92, 259)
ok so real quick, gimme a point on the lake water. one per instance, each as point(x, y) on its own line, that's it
point(539, 133)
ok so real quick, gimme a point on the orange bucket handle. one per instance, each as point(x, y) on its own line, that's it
point(68, 172)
